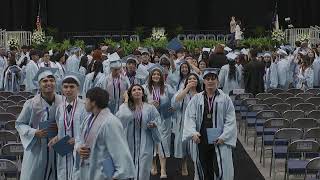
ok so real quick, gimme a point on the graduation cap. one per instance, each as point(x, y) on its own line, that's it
point(174, 45)
point(77, 77)
point(208, 71)
point(144, 50)
point(44, 72)
point(156, 66)
point(267, 54)
point(260, 55)
point(282, 52)
point(206, 49)
point(231, 56)
point(245, 51)
point(115, 61)
point(129, 59)
point(227, 49)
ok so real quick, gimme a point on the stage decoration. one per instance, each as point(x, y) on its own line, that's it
point(278, 35)
point(38, 37)
point(13, 43)
point(158, 33)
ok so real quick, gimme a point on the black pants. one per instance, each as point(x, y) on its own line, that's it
point(206, 156)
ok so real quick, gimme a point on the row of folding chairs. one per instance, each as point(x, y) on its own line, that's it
point(24, 94)
point(11, 160)
point(295, 91)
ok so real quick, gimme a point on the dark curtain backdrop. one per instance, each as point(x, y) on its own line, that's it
point(109, 15)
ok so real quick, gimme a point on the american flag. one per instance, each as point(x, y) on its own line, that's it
point(38, 23)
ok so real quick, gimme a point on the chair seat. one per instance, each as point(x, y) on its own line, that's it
point(312, 178)
point(12, 158)
point(252, 122)
point(267, 131)
point(312, 155)
point(280, 152)
point(268, 141)
point(297, 166)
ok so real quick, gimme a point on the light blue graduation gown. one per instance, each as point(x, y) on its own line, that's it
point(240, 69)
point(140, 139)
point(88, 84)
point(109, 141)
point(72, 64)
point(38, 160)
point(305, 79)
point(174, 80)
point(225, 119)
point(227, 84)
point(316, 72)
point(31, 71)
point(115, 92)
point(181, 149)
point(166, 119)
point(13, 78)
point(271, 77)
point(3, 66)
point(65, 165)
point(283, 67)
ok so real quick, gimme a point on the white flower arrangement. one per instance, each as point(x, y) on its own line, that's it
point(303, 37)
point(13, 42)
point(278, 35)
point(38, 37)
point(158, 33)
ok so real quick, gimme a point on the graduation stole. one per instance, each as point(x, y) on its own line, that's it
point(93, 128)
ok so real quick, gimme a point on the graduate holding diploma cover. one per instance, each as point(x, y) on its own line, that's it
point(211, 124)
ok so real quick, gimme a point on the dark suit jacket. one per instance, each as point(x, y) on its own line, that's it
point(253, 73)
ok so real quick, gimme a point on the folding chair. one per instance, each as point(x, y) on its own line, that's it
point(16, 98)
point(13, 151)
point(281, 107)
point(263, 96)
point(250, 120)
point(280, 151)
point(314, 100)
point(30, 97)
point(200, 37)
point(295, 91)
point(25, 94)
point(304, 123)
point(269, 128)
point(294, 101)
point(318, 95)
point(5, 117)
point(275, 91)
point(21, 103)
point(2, 98)
point(191, 37)
point(293, 114)
point(7, 137)
point(314, 114)
point(306, 107)
point(261, 118)
point(298, 166)
point(210, 37)
point(2, 110)
point(313, 168)
point(272, 100)
point(8, 167)
point(239, 98)
point(5, 103)
point(181, 37)
point(16, 109)
point(5, 93)
point(313, 133)
point(314, 91)
point(10, 126)
point(284, 95)
point(305, 95)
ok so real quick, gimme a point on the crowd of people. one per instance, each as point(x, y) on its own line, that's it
point(125, 108)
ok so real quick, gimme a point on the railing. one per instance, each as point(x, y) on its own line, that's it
point(313, 34)
point(23, 37)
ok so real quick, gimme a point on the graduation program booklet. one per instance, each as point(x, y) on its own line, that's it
point(62, 147)
point(46, 125)
point(108, 167)
point(213, 134)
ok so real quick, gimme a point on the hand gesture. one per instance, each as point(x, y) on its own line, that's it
point(41, 133)
point(196, 137)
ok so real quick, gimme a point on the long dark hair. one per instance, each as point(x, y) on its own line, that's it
point(232, 70)
point(97, 67)
point(198, 88)
point(130, 98)
point(161, 81)
point(181, 75)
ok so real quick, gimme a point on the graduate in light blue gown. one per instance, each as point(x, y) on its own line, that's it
point(115, 83)
point(31, 70)
point(92, 79)
point(211, 109)
point(159, 94)
point(39, 162)
point(102, 141)
point(229, 75)
point(305, 74)
point(13, 77)
point(316, 72)
point(180, 102)
point(271, 73)
point(3, 65)
point(177, 79)
point(140, 121)
point(69, 117)
point(72, 63)
point(134, 74)
point(283, 69)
